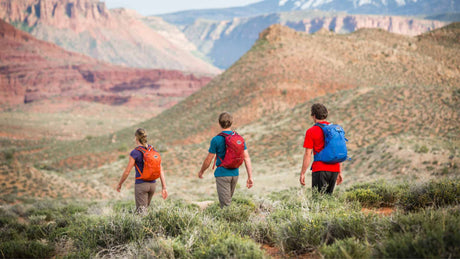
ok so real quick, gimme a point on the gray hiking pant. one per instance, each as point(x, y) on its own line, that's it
point(225, 189)
point(143, 192)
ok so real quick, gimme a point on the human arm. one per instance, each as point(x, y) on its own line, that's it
point(125, 174)
point(247, 164)
point(164, 192)
point(305, 164)
point(206, 163)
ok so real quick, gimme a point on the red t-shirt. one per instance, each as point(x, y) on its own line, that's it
point(314, 139)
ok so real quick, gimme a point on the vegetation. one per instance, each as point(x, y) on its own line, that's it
point(293, 222)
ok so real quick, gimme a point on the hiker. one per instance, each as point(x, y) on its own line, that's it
point(147, 163)
point(227, 160)
point(324, 175)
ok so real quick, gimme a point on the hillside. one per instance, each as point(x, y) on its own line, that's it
point(224, 42)
point(117, 36)
point(39, 78)
point(401, 117)
point(379, 7)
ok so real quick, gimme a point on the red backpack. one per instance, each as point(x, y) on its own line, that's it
point(234, 150)
point(152, 164)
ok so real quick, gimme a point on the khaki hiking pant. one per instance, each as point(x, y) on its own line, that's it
point(143, 193)
point(225, 189)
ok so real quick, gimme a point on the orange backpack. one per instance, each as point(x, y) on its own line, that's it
point(152, 164)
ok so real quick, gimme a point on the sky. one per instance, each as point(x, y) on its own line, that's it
point(151, 7)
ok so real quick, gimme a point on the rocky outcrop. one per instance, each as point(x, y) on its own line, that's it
point(32, 70)
point(118, 36)
point(350, 23)
point(224, 42)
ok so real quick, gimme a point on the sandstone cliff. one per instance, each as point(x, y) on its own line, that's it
point(32, 70)
point(117, 36)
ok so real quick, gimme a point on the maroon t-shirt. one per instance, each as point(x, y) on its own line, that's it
point(314, 139)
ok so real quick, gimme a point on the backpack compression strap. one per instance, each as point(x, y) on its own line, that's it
point(215, 159)
point(142, 150)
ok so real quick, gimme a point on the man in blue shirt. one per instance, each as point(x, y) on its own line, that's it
point(226, 178)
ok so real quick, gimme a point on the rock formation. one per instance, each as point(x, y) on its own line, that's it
point(32, 70)
point(118, 36)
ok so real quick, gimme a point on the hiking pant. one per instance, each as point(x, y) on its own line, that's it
point(225, 189)
point(143, 192)
point(324, 181)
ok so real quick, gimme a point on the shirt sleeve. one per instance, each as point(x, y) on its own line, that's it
point(213, 146)
point(136, 154)
point(308, 143)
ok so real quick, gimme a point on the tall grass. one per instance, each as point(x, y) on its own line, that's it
point(294, 221)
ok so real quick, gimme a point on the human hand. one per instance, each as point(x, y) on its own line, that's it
point(249, 183)
point(200, 174)
point(164, 193)
point(119, 187)
point(339, 179)
point(302, 179)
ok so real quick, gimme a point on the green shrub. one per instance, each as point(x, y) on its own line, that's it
point(172, 220)
point(239, 210)
point(228, 245)
point(158, 247)
point(25, 249)
point(425, 234)
point(262, 231)
point(300, 234)
point(105, 232)
point(436, 193)
point(347, 248)
point(353, 225)
point(366, 197)
point(375, 194)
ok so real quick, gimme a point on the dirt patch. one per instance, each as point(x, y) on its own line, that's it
point(384, 211)
point(203, 204)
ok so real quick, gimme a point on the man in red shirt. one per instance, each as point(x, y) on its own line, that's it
point(324, 175)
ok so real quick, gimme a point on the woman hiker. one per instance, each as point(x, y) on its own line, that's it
point(147, 163)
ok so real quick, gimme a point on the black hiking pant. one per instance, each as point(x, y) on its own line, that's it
point(323, 181)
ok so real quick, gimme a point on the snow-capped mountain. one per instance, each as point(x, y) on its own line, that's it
point(380, 7)
point(394, 7)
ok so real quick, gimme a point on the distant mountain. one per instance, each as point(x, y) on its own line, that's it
point(32, 70)
point(224, 42)
point(117, 36)
point(447, 17)
point(380, 7)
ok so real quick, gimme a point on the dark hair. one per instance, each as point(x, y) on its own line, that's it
point(225, 120)
point(141, 136)
point(319, 111)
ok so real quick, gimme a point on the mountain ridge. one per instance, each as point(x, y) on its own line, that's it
point(380, 7)
point(33, 70)
point(224, 42)
point(118, 36)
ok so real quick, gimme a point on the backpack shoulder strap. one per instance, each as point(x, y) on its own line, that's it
point(223, 134)
point(319, 125)
point(142, 149)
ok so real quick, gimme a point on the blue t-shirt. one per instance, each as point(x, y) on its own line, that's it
point(218, 147)
point(139, 159)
